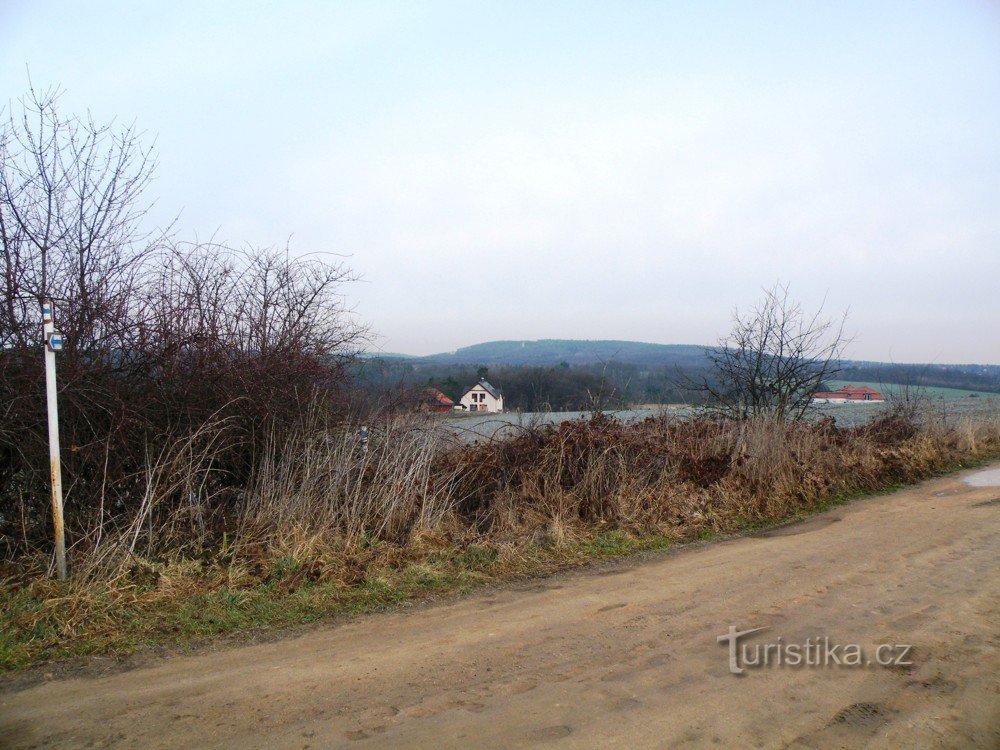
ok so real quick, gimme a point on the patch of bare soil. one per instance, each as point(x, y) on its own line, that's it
point(600, 660)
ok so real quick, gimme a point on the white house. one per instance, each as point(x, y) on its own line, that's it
point(482, 397)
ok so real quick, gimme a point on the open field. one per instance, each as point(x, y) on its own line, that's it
point(946, 403)
point(943, 409)
point(617, 656)
point(928, 391)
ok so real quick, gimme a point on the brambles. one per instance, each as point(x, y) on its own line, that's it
point(324, 525)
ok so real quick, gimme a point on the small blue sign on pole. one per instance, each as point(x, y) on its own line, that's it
point(54, 343)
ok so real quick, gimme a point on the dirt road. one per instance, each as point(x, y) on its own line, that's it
point(623, 656)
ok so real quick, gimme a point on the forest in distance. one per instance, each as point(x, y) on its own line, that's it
point(568, 375)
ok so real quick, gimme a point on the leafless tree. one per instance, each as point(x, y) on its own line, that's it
point(160, 335)
point(772, 361)
point(72, 203)
point(258, 324)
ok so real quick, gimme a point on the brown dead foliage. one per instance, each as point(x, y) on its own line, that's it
point(684, 475)
point(322, 507)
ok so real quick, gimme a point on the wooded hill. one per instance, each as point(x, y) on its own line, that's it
point(573, 352)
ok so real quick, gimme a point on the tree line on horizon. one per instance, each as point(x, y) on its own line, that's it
point(617, 385)
point(560, 387)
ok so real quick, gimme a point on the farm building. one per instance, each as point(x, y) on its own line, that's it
point(482, 397)
point(433, 400)
point(847, 394)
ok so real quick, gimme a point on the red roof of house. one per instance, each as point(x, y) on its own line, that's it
point(433, 394)
point(851, 392)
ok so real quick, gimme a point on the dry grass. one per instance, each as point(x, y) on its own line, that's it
point(329, 525)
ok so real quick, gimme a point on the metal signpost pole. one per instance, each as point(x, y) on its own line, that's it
point(53, 343)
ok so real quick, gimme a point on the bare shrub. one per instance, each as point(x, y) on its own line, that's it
point(772, 361)
point(677, 476)
point(162, 338)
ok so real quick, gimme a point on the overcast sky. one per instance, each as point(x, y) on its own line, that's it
point(572, 170)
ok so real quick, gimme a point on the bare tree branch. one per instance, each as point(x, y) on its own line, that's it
point(773, 359)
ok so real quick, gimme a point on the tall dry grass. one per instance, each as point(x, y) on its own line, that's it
point(319, 489)
point(321, 485)
point(671, 476)
point(322, 502)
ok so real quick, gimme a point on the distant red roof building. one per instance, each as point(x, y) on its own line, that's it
point(432, 400)
point(849, 393)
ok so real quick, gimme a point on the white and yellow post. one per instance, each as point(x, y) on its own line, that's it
point(53, 344)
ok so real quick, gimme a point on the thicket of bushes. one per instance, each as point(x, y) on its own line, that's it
point(326, 523)
point(317, 492)
point(161, 337)
point(659, 476)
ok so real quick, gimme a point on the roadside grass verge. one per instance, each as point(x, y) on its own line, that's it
point(37, 626)
point(337, 532)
